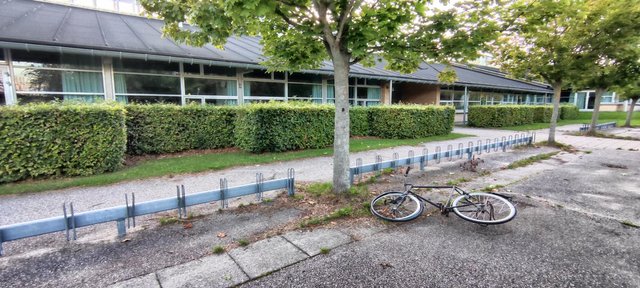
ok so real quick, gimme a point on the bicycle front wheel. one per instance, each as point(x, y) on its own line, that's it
point(396, 206)
point(484, 208)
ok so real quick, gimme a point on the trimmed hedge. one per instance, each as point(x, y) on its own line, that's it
point(513, 115)
point(411, 121)
point(569, 112)
point(166, 128)
point(59, 139)
point(276, 127)
point(359, 118)
point(542, 114)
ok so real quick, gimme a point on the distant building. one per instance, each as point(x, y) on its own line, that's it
point(50, 51)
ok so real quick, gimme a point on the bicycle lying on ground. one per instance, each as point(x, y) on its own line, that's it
point(477, 207)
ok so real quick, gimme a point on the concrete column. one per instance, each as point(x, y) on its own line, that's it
point(466, 105)
point(240, 86)
point(108, 79)
point(183, 101)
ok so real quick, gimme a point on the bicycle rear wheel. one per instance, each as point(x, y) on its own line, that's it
point(484, 208)
point(396, 206)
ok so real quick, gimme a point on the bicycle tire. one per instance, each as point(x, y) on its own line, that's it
point(382, 207)
point(481, 208)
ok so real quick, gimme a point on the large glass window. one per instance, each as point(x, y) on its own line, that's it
point(263, 89)
point(34, 59)
point(43, 76)
point(147, 67)
point(607, 97)
point(139, 81)
point(305, 92)
point(200, 86)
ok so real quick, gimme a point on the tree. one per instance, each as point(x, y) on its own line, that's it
point(631, 91)
point(301, 34)
point(539, 42)
point(610, 47)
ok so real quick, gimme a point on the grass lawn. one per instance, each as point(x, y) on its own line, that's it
point(583, 118)
point(205, 162)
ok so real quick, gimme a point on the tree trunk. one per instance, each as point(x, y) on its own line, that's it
point(627, 123)
point(557, 89)
point(341, 182)
point(596, 112)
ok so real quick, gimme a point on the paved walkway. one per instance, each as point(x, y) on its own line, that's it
point(32, 206)
point(26, 207)
point(243, 264)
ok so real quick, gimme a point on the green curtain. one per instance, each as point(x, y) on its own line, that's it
point(231, 88)
point(373, 93)
point(316, 93)
point(84, 82)
point(247, 88)
point(121, 88)
point(330, 94)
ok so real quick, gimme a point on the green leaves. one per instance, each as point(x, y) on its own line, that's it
point(60, 139)
point(512, 115)
point(165, 128)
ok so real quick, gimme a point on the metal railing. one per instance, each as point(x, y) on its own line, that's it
point(602, 126)
point(471, 148)
point(70, 220)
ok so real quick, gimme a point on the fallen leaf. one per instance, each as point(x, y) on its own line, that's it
point(187, 225)
point(125, 240)
point(221, 235)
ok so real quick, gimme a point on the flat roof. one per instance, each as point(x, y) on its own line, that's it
point(40, 24)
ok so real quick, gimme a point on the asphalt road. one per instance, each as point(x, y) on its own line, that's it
point(577, 243)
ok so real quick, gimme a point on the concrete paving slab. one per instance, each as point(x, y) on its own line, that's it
point(146, 281)
point(312, 241)
point(211, 271)
point(266, 256)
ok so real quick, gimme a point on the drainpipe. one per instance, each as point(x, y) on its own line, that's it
point(390, 92)
point(466, 105)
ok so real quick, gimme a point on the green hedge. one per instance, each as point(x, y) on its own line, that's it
point(59, 139)
point(501, 115)
point(411, 121)
point(166, 128)
point(359, 118)
point(569, 112)
point(276, 127)
point(513, 115)
point(542, 114)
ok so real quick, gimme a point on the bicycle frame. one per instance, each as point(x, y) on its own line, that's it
point(445, 208)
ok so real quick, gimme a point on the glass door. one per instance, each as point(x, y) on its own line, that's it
point(591, 100)
point(6, 87)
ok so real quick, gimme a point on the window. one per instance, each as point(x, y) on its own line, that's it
point(43, 77)
point(607, 97)
point(219, 71)
point(452, 96)
point(2, 59)
point(305, 92)
point(304, 78)
point(146, 67)
point(199, 86)
point(140, 81)
point(263, 89)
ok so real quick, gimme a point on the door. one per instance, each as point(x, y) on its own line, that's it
point(6, 87)
point(592, 100)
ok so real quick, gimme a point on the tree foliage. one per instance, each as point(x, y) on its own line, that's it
point(540, 42)
point(609, 47)
point(303, 34)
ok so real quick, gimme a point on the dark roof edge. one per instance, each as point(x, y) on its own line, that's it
point(483, 71)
